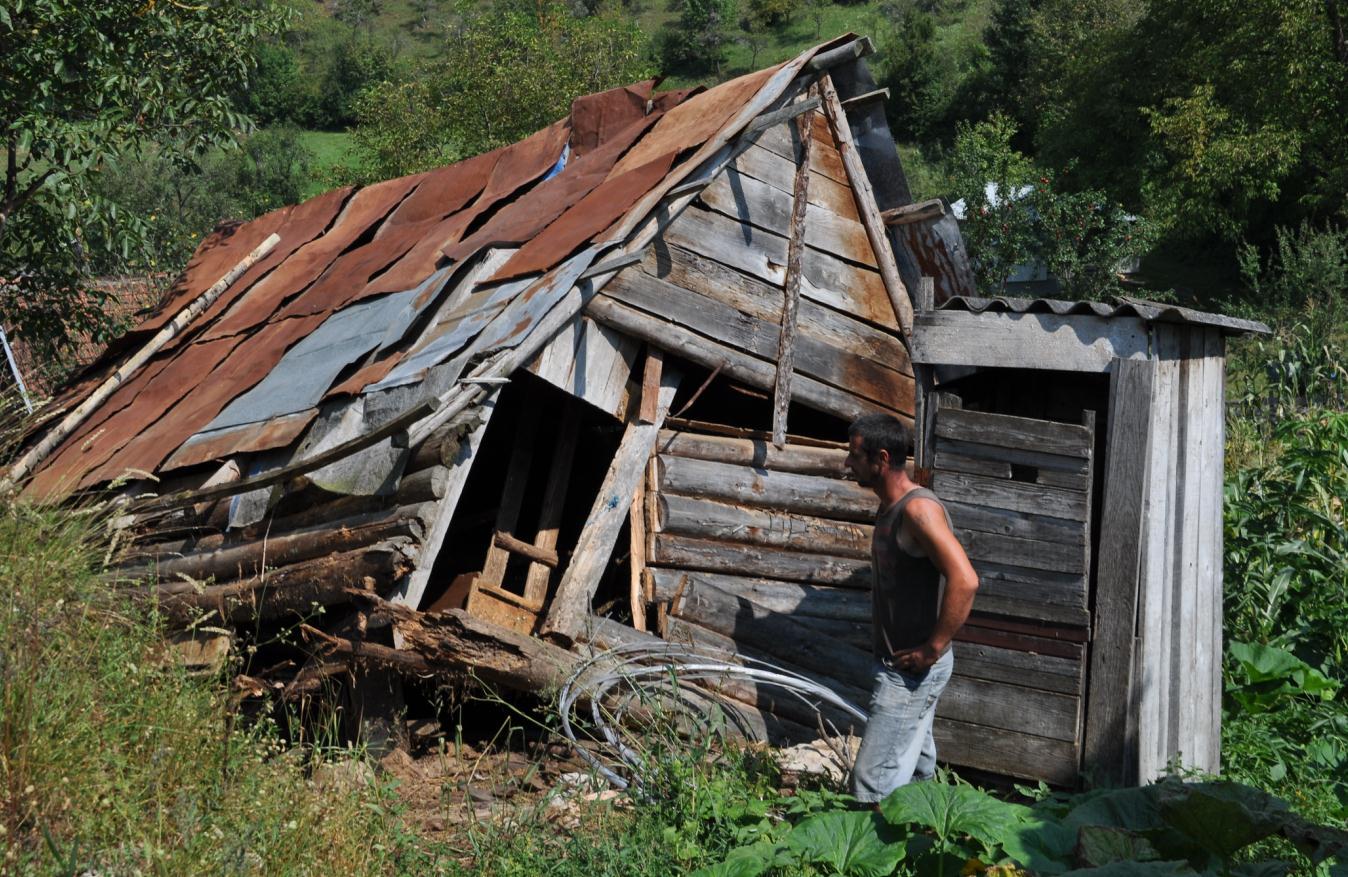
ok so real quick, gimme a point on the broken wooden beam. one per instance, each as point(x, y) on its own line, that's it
point(546, 556)
point(920, 212)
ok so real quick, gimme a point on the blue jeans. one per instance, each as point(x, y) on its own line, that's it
point(898, 746)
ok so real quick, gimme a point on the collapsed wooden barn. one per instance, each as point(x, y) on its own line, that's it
point(588, 385)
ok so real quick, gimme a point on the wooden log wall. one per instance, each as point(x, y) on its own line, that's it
point(766, 551)
point(710, 288)
point(310, 549)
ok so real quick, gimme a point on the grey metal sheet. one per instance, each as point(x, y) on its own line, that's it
point(307, 370)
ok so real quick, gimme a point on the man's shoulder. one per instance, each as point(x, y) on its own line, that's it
point(923, 507)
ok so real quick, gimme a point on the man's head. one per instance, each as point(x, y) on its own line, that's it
point(877, 444)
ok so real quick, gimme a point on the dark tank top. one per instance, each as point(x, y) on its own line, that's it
point(906, 594)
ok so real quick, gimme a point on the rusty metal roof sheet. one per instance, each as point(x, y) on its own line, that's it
point(351, 301)
point(1123, 306)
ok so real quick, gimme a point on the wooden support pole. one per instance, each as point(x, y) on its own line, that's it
point(184, 318)
point(545, 556)
point(571, 605)
point(922, 211)
point(650, 385)
point(786, 345)
point(866, 206)
point(636, 557)
point(512, 496)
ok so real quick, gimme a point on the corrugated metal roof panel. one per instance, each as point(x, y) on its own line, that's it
point(1154, 312)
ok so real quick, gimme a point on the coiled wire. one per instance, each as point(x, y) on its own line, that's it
point(669, 675)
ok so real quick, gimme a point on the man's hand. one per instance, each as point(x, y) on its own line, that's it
point(916, 661)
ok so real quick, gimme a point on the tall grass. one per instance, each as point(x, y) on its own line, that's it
point(114, 759)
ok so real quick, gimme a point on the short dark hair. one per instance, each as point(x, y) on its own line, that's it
point(883, 432)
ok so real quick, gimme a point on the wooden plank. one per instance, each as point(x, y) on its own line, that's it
point(779, 172)
point(756, 453)
point(1185, 667)
point(1018, 755)
point(554, 504)
point(706, 519)
point(411, 589)
point(936, 250)
point(784, 141)
point(762, 300)
point(922, 211)
point(571, 604)
point(803, 494)
point(731, 557)
point(1106, 747)
point(1027, 553)
point(825, 279)
point(1077, 466)
point(649, 411)
point(512, 494)
point(973, 633)
point(541, 556)
point(590, 362)
point(1210, 539)
point(1004, 431)
point(786, 345)
point(1152, 682)
point(636, 557)
point(1011, 495)
point(747, 200)
point(734, 364)
point(953, 462)
point(1029, 601)
point(1008, 523)
point(1012, 708)
point(1044, 672)
point(793, 598)
point(1037, 341)
point(870, 212)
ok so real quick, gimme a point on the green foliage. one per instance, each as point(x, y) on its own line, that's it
point(500, 75)
point(910, 68)
point(114, 760)
point(1016, 215)
point(83, 83)
point(180, 202)
point(697, 43)
point(939, 829)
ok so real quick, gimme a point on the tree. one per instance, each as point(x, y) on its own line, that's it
point(81, 83)
point(500, 75)
point(697, 43)
point(908, 67)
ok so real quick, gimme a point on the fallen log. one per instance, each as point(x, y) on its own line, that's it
point(292, 590)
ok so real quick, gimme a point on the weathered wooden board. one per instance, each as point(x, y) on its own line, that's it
point(734, 364)
point(1057, 463)
point(936, 250)
point(769, 167)
point(1043, 437)
point(1107, 747)
point(1028, 600)
point(1017, 496)
point(803, 494)
point(1210, 539)
point(814, 357)
point(1008, 523)
point(975, 633)
point(1039, 341)
point(755, 453)
point(745, 199)
point(997, 751)
point(590, 362)
point(802, 600)
point(733, 557)
point(1026, 553)
point(953, 462)
point(782, 140)
point(994, 664)
point(825, 279)
point(707, 519)
point(1009, 707)
point(763, 300)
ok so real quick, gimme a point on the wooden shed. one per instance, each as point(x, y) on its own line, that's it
point(1081, 445)
point(593, 387)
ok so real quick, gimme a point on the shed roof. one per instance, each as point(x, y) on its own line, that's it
point(373, 288)
point(1122, 306)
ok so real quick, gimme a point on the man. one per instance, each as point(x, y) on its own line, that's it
point(922, 592)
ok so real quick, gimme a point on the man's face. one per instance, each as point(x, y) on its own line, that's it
point(865, 469)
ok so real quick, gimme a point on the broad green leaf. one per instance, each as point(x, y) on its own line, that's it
point(1221, 818)
point(749, 861)
point(1039, 844)
point(1271, 868)
point(857, 844)
point(952, 811)
point(1098, 845)
point(1136, 869)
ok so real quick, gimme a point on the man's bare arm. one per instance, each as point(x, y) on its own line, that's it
point(928, 525)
